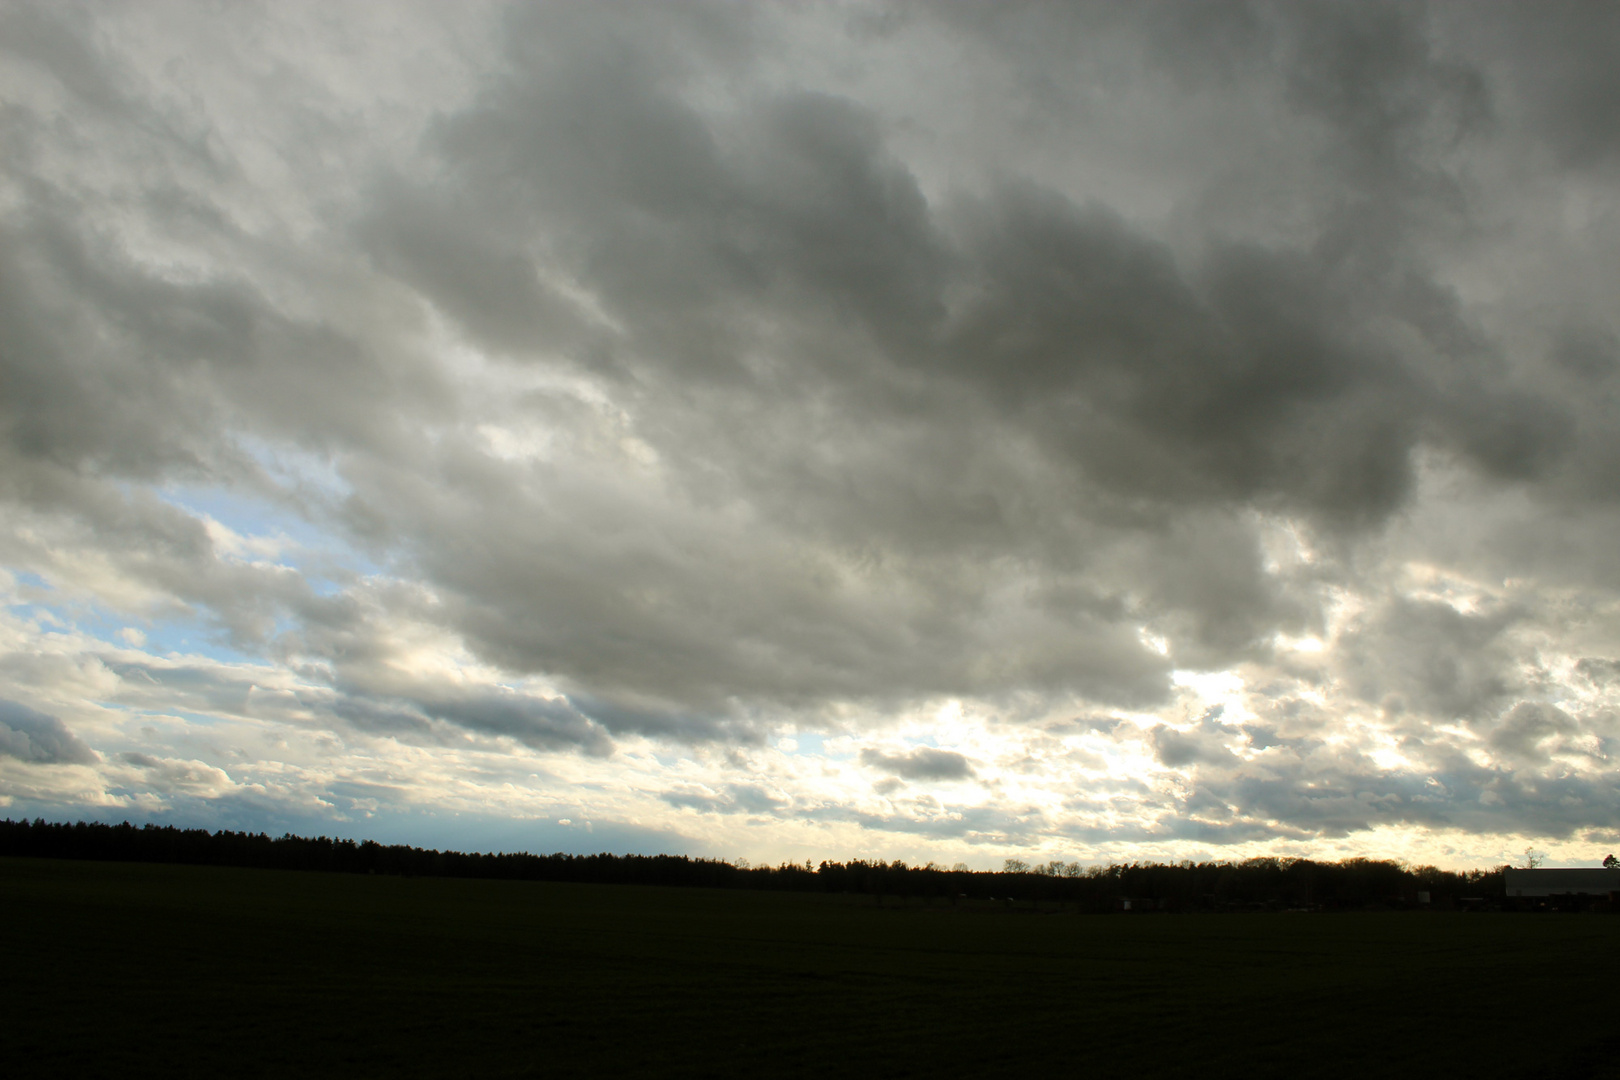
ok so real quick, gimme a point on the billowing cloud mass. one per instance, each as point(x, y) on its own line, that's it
point(932, 431)
point(32, 736)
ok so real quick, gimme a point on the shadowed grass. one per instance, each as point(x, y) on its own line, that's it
point(128, 969)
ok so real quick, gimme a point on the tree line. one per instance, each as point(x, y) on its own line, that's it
point(1265, 883)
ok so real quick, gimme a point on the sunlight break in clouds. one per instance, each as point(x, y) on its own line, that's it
point(940, 432)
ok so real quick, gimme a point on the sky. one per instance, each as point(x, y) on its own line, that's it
point(942, 432)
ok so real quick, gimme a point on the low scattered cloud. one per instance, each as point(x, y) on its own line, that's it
point(1205, 743)
point(1532, 731)
point(32, 736)
point(173, 776)
point(921, 763)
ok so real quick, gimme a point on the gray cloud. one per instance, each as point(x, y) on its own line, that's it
point(1206, 742)
point(921, 763)
point(1528, 728)
point(978, 825)
point(1457, 795)
point(172, 776)
point(1428, 656)
point(32, 736)
point(1597, 670)
point(734, 799)
point(1556, 57)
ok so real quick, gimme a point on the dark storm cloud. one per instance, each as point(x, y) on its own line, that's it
point(627, 719)
point(38, 738)
point(535, 721)
point(476, 273)
point(1373, 72)
point(1250, 378)
point(1246, 382)
point(1249, 391)
point(1204, 742)
point(1303, 787)
point(734, 799)
point(1598, 671)
point(1559, 57)
point(790, 227)
point(1427, 656)
point(922, 763)
point(1457, 795)
point(541, 723)
point(111, 369)
point(1528, 731)
point(1075, 329)
point(1590, 352)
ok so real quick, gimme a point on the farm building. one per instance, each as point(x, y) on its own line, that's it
point(1539, 884)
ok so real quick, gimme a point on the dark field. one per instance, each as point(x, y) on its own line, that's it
point(114, 969)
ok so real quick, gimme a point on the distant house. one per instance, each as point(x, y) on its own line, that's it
point(1540, 884)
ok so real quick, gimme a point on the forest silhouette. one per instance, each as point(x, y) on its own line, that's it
point(1256, 884)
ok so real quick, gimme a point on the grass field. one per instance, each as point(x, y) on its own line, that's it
point(117, 969)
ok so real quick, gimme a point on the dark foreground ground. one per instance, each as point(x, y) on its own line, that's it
point(117, 969)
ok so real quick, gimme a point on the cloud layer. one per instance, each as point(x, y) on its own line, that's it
point(940, 432)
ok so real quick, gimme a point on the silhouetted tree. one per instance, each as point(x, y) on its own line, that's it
point(1253, 884)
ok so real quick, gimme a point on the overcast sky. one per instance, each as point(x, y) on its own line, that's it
point(954, 432)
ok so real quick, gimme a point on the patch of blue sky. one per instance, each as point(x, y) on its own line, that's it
point(296, 469)
point(327, 562)
point(245, 514)
point(284, 624)
point(189, 636)
point(806, 742)
point(41, 614)
point(443, 829)
point(186, 635)
point(93, 620)
point(30, 597)
point(27, 579)
point(309, 548)
point(324, 586)
point(839, 755)
point(183, 635)
point(248, 516)
point(195, 719)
